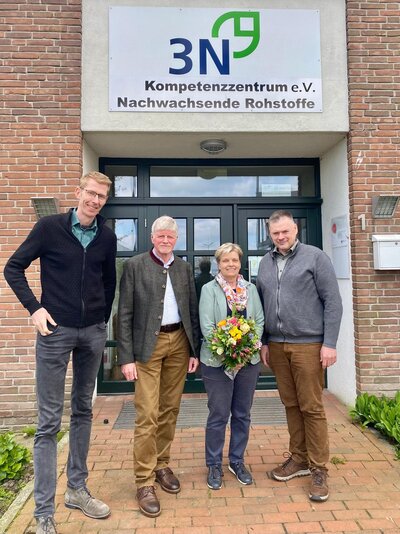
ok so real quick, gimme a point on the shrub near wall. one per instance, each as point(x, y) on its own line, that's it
point(41, 156)
point(374, 168)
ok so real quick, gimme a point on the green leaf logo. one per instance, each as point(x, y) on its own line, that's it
point(237, 17)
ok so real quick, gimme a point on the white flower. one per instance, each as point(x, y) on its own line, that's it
point(244, 328)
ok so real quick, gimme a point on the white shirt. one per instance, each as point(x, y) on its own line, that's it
point(171, 313)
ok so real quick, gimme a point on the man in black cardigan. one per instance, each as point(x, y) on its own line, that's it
point(77, 267)
point(158, 343)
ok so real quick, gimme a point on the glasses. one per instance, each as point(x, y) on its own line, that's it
point(93, 194)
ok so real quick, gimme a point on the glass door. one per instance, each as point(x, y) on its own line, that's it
point(213, 202)
point(202, 229)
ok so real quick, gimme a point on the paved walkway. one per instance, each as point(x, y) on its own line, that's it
point(364, 485)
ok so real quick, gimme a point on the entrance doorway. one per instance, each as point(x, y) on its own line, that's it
point(204, 224)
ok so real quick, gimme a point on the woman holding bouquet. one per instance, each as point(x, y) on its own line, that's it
point(232, 321)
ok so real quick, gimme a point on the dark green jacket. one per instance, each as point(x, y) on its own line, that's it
point(140, 309)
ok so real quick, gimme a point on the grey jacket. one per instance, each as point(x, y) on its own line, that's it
point(140, 309)
point(304, 306)
point(213, 308)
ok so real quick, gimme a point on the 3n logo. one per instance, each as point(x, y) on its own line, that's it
point(206, 49)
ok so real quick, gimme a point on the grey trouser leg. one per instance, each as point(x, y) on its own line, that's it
point(52, 357)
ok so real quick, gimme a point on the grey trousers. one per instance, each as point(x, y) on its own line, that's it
point(52, 357)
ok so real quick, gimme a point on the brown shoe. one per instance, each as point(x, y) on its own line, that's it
point(319, 490)
point(290, 469)
point(148, 503)
point(167, 480)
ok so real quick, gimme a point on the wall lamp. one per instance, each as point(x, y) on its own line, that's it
point(213, 146)
point(384, 206)
point(45, 206)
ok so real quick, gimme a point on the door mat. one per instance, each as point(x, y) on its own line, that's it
point(194, 412)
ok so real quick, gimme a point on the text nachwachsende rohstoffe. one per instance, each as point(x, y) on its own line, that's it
point(190, 103)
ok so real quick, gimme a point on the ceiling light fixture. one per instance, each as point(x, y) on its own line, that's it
point(213, 146)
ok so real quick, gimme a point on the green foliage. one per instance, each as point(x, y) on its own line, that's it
point(382, 413)
point(13, 457)
point(6, 498)
point(336, 460)
point(61, 434)
point(29, 431)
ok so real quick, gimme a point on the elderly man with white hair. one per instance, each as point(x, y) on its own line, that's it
point(158, 343)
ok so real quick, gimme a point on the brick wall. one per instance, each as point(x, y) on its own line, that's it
point(40, 135)
point(374, 168)
point(40, 77)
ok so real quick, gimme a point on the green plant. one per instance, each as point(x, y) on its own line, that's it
point(61, 434)
point(13, 457)
point(336, 460)
point(382, 413)
point(6, 498)
point(29, 431)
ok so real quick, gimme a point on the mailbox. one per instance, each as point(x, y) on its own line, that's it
point(386, 251)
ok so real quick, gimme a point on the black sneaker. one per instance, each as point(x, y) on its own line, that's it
point(241, 473)
point(214, 478)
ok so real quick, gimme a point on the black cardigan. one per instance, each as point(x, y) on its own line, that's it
point(78, 284)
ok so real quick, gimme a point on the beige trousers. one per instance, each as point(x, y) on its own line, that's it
point(300, 380)
point(158, 392)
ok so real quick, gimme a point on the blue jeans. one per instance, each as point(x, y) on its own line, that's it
point(226, 398)
point(52, 357)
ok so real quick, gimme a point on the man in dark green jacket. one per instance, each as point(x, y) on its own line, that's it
point(158, 343)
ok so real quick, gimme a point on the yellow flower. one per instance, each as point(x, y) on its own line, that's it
point(221, 323)
point(235, 333)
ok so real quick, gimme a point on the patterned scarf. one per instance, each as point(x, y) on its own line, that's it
point(238, 298)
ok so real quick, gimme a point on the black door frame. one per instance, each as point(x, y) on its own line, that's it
point(147, 209)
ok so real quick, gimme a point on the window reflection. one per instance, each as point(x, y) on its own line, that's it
point(125, 186)
point(181, 244)
point(112, 371)
point(207, 234)
point(282, 181)
point(205, 269)
point(126, 232)
point(302, 229)
point(254, 263)
point(124, 178)
point(257, 235)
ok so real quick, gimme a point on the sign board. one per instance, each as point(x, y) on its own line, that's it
point(214, 60)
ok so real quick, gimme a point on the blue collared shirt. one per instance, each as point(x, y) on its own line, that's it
point(85, 234)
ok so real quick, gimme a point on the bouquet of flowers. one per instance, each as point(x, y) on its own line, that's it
point(234, 341)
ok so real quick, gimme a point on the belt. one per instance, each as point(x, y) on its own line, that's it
point(170, 327)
